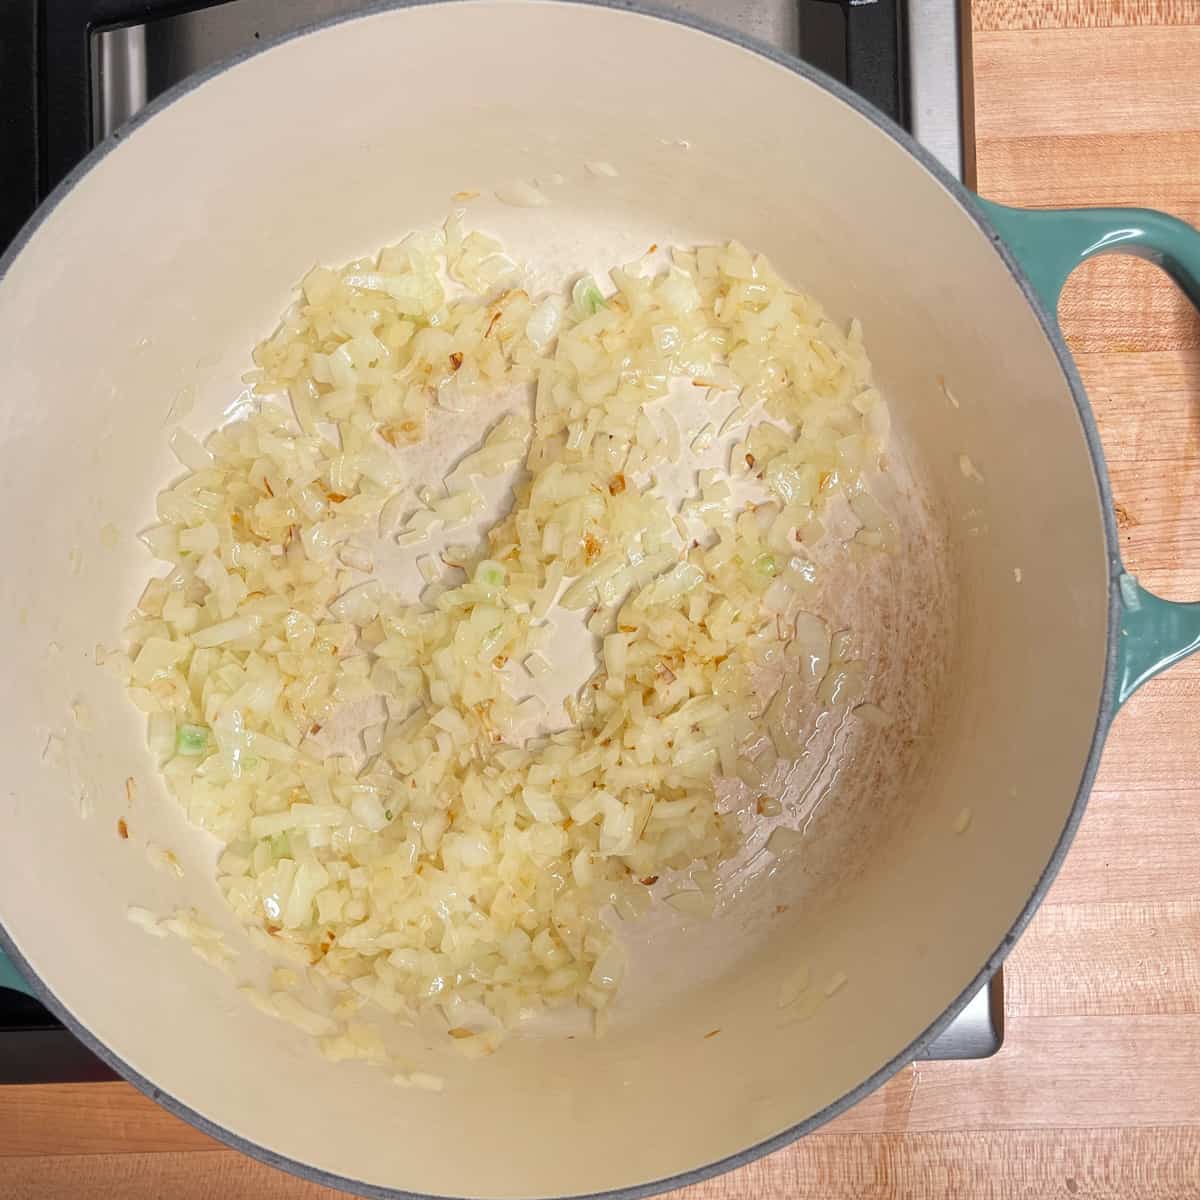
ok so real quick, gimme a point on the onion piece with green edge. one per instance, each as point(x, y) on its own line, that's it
point(191, 740)
point(587, 297)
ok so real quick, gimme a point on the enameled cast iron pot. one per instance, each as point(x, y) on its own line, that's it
point(173, 248)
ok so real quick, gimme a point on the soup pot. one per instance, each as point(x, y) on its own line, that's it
point(1007, 625)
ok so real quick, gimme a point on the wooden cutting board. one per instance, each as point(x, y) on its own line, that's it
point(1097, 1090)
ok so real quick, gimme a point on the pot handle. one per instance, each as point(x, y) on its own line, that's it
point(10, 977)
point(1049, 244)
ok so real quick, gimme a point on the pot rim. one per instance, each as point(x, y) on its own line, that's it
point(1106, 711)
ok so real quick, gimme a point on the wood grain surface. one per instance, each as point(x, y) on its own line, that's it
point(1096, 1093)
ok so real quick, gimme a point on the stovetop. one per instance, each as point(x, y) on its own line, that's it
point(72, 71)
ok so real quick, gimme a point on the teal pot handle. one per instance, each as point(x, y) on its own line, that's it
point(10, 977)
point(1049, 244)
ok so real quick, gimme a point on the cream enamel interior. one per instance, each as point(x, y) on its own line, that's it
point(157, 273)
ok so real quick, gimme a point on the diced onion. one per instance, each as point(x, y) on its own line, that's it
point(522, 194)
point(794, 983)
point(394, 818)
